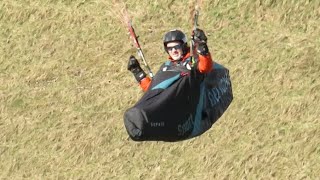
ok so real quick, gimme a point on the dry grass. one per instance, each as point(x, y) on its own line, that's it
point(64, 88)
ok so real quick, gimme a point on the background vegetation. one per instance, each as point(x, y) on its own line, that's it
point(64, 88)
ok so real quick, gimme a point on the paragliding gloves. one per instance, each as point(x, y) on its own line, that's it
point(200, 37)
point(202, 49)
point(135, 68)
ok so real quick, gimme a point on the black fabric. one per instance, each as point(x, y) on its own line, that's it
point(139, 74)
point(216, 97)
point(135, 68)
point(203, 49)
point(199, 35)
point(179, 104)
point(133, 63)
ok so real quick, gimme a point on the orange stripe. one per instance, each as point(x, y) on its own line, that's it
point(205, 63)
point(145, 83)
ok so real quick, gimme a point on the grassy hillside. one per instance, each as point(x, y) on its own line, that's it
point(64, 88)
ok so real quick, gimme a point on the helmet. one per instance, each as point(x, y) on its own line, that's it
point(175, 35)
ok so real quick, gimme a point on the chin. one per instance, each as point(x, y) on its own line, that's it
point(176, 58)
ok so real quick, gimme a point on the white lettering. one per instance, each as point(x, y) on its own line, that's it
point(157, 124)
point(216, 93)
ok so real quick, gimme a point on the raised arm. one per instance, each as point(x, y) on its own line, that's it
point(205, 60)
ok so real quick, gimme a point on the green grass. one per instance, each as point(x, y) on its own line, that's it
point(64, 89)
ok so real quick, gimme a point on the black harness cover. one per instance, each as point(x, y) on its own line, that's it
point(179, 104)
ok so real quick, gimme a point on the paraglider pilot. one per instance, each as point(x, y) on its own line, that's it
point(175, 44)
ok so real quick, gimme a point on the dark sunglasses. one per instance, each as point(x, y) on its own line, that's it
point(179, 46)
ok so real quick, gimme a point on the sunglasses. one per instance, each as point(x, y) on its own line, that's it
point(179, 46)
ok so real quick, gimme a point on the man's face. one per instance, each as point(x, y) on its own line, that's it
point(175, 50)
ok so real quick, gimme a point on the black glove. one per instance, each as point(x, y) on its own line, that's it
point(133, 63)
point(199, 35)
point(203, 48)
point(134, 67)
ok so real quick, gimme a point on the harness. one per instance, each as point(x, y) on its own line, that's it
point(186, 63)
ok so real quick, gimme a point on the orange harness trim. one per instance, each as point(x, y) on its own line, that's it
point(205, 65)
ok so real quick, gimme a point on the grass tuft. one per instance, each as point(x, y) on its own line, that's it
point(65, 86)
